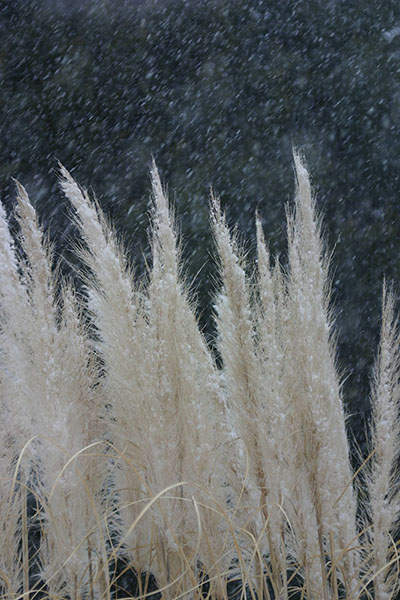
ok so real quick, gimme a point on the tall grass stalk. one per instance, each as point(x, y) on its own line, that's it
point(59, 409)
point(327, 504)
point(381, 476)
point(251, 373)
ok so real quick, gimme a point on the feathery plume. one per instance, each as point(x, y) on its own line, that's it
point(121, 325)
point(56, 387)
point(382, 472)
point(315, 395)
point(191, 410)
point(16, 411)
point(249, 360)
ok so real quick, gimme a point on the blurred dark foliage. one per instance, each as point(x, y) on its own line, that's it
point(217, 91)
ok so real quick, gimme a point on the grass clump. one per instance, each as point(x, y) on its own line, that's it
point(131, 465)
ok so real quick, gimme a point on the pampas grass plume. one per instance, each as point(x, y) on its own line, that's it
point(139, 448)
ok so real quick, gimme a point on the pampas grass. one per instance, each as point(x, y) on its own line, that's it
point(57, 407)
point(148, 463)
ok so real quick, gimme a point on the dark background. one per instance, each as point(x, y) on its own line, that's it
point(217, 91)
